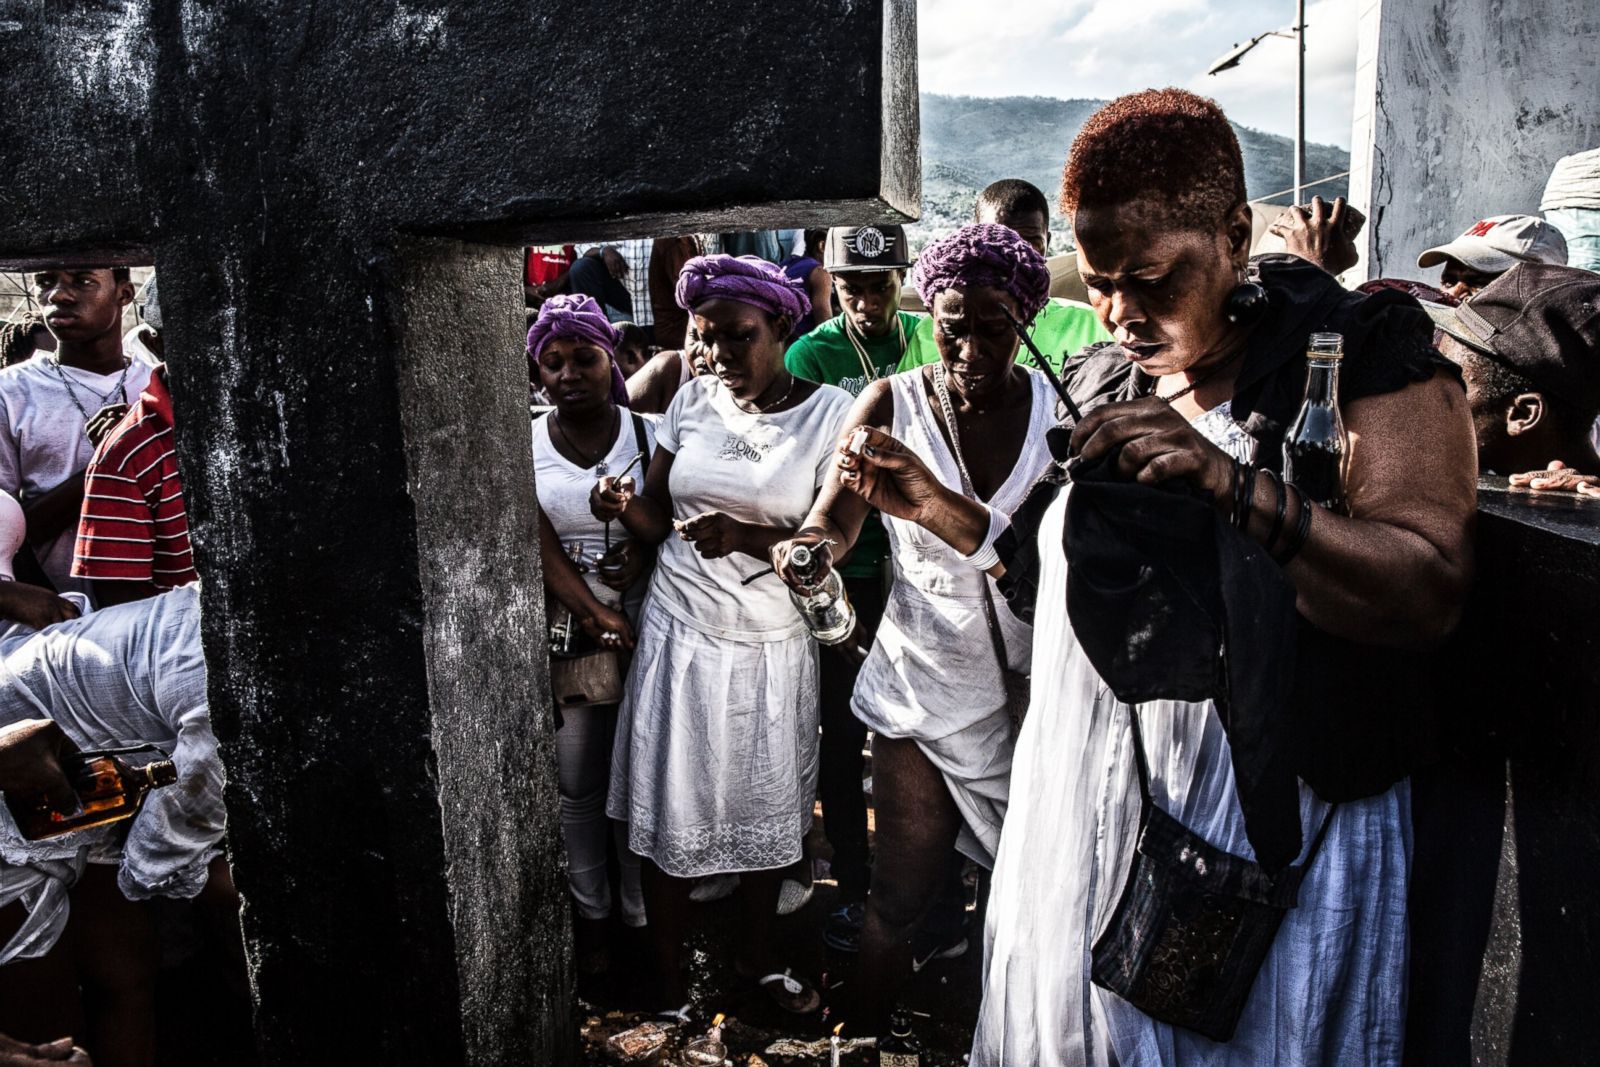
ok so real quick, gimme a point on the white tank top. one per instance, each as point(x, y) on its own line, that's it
point(932, 670)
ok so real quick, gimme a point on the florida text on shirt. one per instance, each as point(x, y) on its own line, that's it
point(735, 447)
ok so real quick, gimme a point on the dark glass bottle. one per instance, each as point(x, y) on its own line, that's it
point(108, 788)
point(1316, 450)
point(900, 1048)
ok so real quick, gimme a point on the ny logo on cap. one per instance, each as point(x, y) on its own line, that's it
point(867, 241)
point(1480, 229)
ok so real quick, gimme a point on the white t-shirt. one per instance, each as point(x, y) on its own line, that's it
point(42, 438)
point(563, 490)
point(134, 348)
point(762, 469)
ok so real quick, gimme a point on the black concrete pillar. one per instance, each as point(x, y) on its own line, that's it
point(350, 397)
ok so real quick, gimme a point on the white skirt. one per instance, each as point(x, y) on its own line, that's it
point(1332, 990)
point(715, 766)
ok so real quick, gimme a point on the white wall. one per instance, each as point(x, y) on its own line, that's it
point(1462, 107)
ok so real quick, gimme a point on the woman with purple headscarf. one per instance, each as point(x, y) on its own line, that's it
point(934, 688)
point(588, 434)
point(715, 767)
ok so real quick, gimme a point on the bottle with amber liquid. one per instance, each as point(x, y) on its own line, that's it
point(109, 789)
point(1316, 450)
point(900, 1048)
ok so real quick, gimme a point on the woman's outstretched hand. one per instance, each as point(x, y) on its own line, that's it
point(1157, 443)
point(884, 473)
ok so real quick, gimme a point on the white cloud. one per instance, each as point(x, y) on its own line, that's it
point(1102, 48)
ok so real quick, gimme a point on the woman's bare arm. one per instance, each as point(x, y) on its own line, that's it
point(1396, 570)
point(1393, 572)
point(838, 513)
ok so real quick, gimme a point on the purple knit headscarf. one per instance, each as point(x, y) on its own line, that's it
point(576, 315)
point(989, 255)
point(746, 279)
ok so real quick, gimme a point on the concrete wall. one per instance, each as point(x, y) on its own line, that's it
point(1462, 107)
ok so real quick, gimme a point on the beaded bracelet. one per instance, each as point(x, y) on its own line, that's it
point(1302, 526)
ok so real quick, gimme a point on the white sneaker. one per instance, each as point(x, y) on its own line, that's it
point(793, 896)
point(714, 887)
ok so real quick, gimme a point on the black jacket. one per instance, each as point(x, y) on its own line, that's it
point(1349, 719)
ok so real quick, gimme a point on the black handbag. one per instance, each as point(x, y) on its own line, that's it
point(1194, 923)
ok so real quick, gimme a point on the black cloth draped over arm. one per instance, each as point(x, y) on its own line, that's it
point(1169, 601)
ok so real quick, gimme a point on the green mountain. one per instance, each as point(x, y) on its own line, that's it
point(968, 142)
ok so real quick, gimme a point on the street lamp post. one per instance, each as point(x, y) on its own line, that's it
point(1297, 33)
point(1300, 99)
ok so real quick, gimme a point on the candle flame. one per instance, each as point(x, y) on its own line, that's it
point(718, 1020)
point(836, 1029)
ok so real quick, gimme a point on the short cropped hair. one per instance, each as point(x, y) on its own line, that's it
point(633, 334)
point(1166, 144)
point(120, 274)
point(1012, 196)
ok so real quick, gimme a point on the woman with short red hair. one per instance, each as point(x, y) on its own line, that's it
point(1206, 853)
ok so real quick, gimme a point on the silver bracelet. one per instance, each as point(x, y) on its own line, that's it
point(984, 557)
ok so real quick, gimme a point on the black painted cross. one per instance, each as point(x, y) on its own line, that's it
point(352, 424)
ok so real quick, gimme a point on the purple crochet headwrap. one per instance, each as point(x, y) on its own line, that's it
point(746, 279)
point(576, 315)
point(984, 254)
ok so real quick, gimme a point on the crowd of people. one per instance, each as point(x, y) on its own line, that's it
point(1100, 646)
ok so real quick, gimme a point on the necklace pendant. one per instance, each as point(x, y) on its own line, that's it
point(602, 469)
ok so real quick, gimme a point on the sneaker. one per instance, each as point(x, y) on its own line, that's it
point(842, 932)
point(793, 896)
point(927, 947)
point(714, 887)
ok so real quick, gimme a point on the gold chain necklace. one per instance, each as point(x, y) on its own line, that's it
point(762, 409)
point(858, 342)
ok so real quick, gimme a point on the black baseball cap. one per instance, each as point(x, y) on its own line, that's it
point(1538, 319)
point(855, 248)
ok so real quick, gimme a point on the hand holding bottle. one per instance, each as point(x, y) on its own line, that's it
point(818, 556)
point(30, 762)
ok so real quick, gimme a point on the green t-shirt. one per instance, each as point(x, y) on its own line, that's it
point(1062, 330)
point(826, 355)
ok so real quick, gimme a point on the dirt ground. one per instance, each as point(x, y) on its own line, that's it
point(942, 997)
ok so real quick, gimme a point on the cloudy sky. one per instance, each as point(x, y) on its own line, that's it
point(1102, 48)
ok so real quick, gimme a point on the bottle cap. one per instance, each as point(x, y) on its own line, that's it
point(160, 773)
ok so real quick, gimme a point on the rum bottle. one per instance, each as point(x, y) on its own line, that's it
point(109, 789)
point(900, 1048)
point(823, 605)
point(1316, 450)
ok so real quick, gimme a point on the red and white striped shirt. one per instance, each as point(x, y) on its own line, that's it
point(134, 526)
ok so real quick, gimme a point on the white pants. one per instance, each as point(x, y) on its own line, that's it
point(583, 770)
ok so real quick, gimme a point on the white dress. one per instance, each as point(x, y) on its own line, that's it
point(586, 738)
point(932, 674)
point(126, 675)
point(1332, 990)
point(715, 766)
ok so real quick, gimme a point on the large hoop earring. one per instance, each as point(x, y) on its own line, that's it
point(1247, 301)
